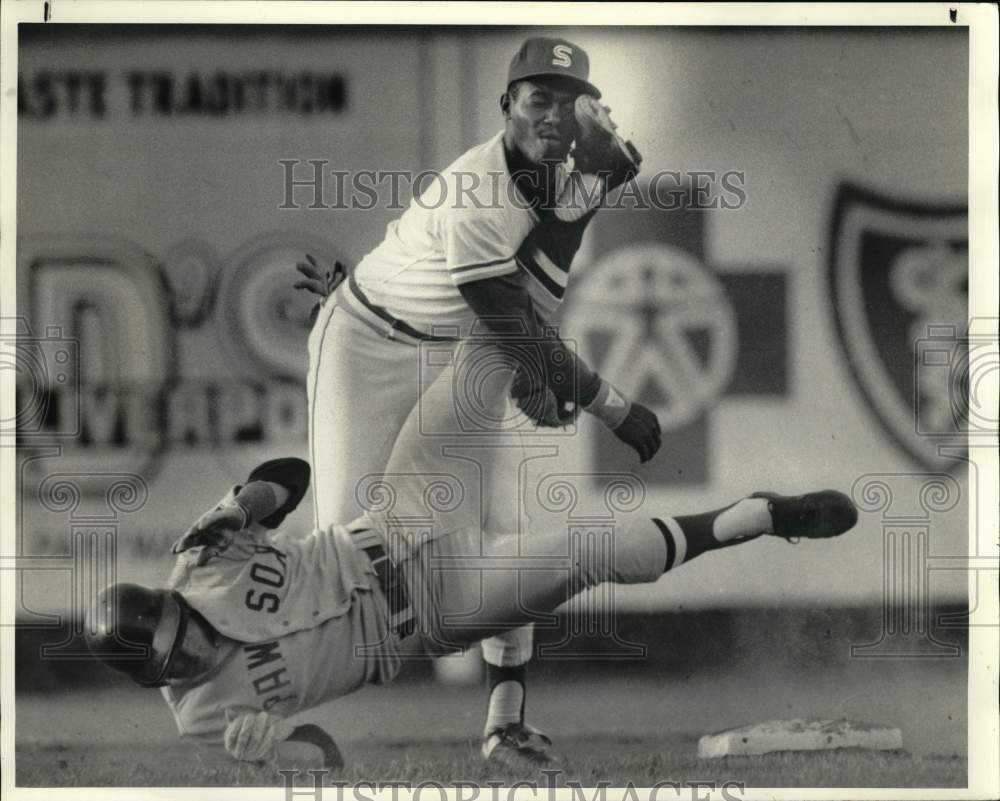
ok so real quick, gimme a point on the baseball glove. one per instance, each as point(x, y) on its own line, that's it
point(540, 404)
point(599, 149)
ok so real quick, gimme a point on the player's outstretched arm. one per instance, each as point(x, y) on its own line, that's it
point(256, 501)
point(272, 491)
point(257, 736)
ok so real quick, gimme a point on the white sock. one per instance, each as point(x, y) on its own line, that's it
point(746, 518)
point(506, 705)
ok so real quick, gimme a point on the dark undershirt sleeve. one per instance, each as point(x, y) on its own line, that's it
point(506, 308)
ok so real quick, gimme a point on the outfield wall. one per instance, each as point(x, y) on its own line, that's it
point(151, 234)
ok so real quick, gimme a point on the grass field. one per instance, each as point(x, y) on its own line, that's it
point(609, 727)
point(589, 761)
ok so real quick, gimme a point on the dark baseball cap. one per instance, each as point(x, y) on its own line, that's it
point(548, 55)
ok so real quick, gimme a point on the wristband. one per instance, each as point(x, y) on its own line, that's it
point(257, 500)
point(610, 406)
point(247, 518)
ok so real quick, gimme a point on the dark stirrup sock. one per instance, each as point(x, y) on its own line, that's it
point(692, 535)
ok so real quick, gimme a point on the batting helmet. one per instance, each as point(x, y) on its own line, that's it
point(137, 630)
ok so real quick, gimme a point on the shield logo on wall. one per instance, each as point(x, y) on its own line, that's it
point(898, 274)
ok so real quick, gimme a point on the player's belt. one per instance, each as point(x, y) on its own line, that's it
point(357, 304)
point(401, 619)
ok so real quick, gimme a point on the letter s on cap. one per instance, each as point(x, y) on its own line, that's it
point(561, 56)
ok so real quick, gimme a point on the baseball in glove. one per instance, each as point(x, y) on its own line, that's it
point(540, 404)
point(599, 149)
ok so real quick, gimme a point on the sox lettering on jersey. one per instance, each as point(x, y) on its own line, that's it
point(270, 575)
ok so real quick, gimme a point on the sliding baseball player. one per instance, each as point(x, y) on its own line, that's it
point(255, 626)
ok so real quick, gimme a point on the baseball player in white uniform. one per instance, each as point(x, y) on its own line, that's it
point(482, 256)
point(255, 626)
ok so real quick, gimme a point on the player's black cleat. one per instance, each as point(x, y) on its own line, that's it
point(517, 745)
point(599, 149)
point(815, 515)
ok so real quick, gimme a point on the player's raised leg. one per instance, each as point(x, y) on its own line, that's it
point(503, 594)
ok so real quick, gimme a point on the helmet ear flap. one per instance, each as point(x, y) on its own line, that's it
point(169, 635)
point(137, 631)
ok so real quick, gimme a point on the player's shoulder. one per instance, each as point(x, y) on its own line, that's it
point(477, 181)
point(480, 192)
point(486, 155)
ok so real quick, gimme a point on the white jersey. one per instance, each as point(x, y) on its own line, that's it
point(471, 223)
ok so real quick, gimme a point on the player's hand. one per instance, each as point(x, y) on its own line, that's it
point(640, 430)
point(252, 736)
point(319, 280)
point(214, 529)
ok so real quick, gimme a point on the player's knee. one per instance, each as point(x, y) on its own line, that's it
point(588, 571)
point(633, 553)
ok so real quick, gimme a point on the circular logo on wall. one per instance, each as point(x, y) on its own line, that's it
point(263, 321)
point(655, 321)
